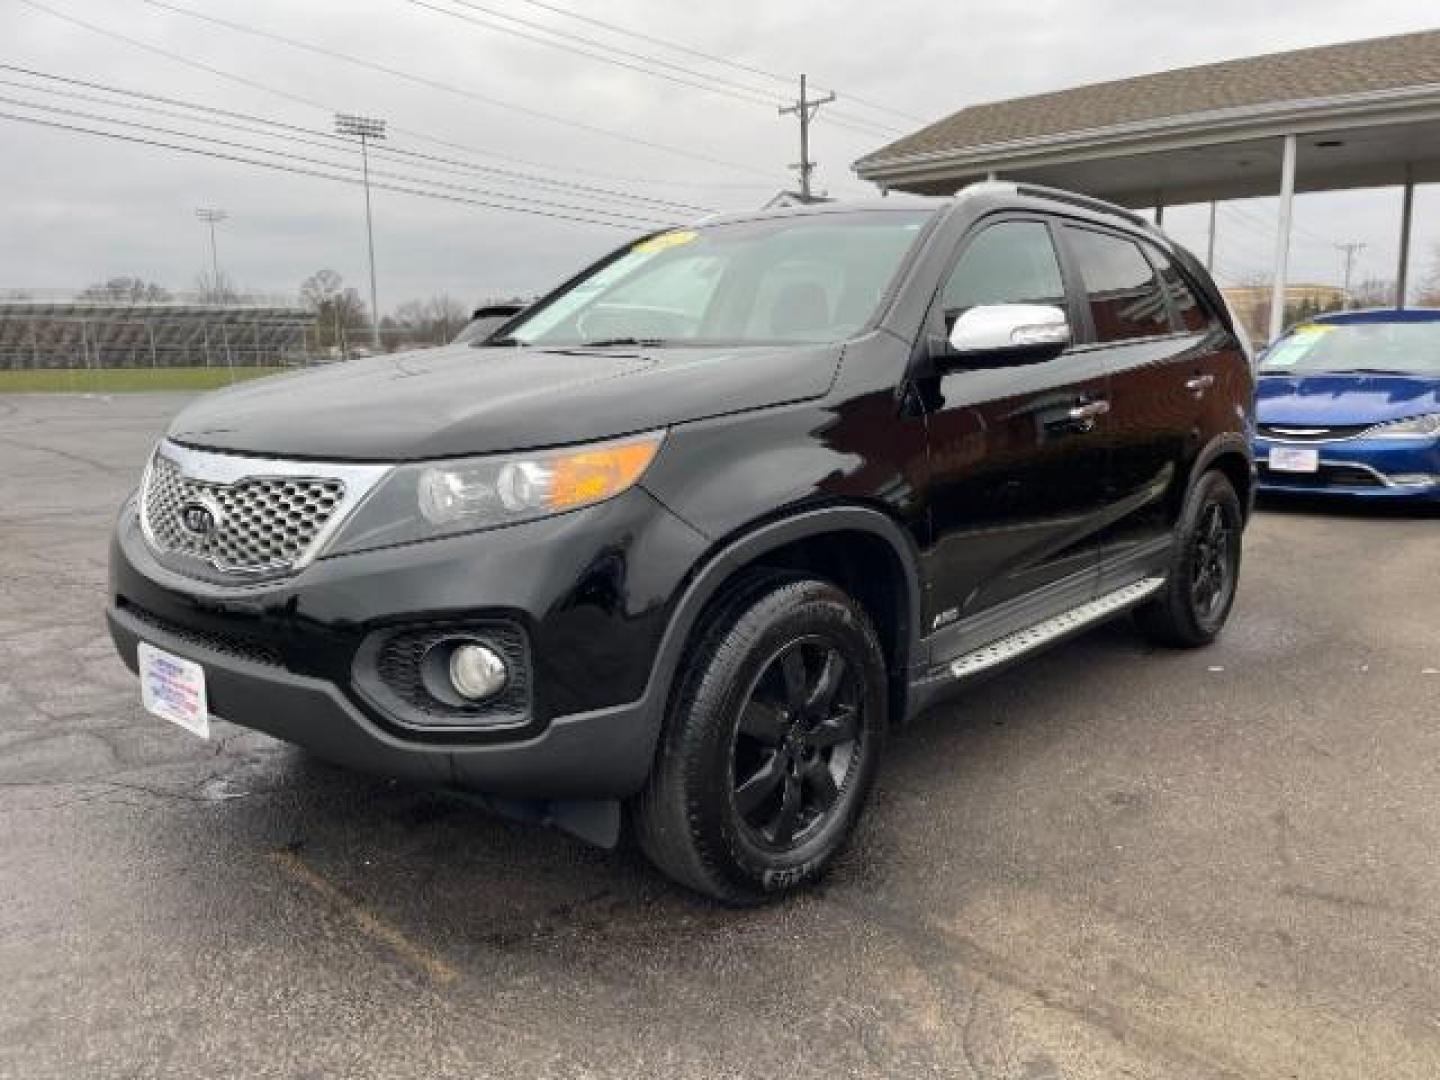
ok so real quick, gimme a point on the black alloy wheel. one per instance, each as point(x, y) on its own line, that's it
point(772, 742)
point(796, 743)
point(1201, 581)
point(1212, 578)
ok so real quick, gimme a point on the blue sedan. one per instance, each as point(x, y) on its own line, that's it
point(1348, 405)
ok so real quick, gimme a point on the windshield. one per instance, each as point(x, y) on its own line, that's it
point(806, 278)
point(480, 329)
point(1405, 348)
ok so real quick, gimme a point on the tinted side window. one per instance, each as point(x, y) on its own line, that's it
point(1192, 315)
point(1125, 297)
point(1013, 262)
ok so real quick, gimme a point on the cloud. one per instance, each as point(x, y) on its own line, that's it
point(77, 209)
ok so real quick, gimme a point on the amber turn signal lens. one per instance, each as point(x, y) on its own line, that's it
point(592, 475)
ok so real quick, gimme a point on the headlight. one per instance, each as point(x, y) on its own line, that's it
point(1414, 427)
point(422, 501)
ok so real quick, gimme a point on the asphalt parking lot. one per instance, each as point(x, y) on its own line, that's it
point(1109, 862)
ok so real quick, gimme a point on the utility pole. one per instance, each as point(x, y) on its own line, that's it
point(805, 109)
point(212, 216)
point(1349, 250)
point(366, 128)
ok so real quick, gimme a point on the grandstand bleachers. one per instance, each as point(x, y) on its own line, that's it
point(89, 333)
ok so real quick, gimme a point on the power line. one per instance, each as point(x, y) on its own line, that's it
point(279, 167)
point(1296, 231)
point(436, 84)
point(328, 109)
point(718, 86)
point(620, 215)
point(715, 84)
point(430, 188)
point(1299, 235)
point(1314, 242)
point(691, 50)
point(308, 137)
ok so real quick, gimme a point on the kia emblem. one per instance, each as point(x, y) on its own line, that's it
point(199, 518)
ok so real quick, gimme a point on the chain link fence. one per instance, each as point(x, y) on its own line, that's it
point(59, 334)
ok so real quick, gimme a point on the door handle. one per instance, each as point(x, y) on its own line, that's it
point(1199, 383)
point(1089, 411)
point(1078, 417)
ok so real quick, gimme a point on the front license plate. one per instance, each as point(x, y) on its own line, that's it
point(1294, 459)
point(173, 688)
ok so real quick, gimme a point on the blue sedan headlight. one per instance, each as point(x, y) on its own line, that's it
point(1416, 427)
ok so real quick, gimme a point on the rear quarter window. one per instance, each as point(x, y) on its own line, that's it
point(1192, 314)
point(1125, 295)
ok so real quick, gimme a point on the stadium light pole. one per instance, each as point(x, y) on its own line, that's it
point(366, 128)
point(212, 216)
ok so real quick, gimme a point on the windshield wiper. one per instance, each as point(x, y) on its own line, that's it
point(649, 343)
point(1299, 372)
point(1369, 371)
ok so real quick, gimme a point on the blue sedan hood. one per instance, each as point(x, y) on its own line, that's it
point(1340, 400)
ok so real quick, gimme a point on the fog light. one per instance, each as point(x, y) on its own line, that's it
point(477, 671)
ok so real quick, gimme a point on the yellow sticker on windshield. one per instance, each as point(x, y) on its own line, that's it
point(666, 240)
point(1289, 349)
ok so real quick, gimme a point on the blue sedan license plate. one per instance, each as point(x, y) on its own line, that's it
point(1294, 459)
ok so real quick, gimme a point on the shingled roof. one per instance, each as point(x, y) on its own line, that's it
point(1378, 64)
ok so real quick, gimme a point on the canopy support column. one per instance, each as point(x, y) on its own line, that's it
point(1407, 208)
point(1210, 241)
point(1282, 239)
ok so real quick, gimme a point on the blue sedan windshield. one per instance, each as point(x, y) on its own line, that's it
point(1402, 348)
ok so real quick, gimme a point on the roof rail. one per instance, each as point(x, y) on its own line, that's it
point(1089, 202)
point(990, 187)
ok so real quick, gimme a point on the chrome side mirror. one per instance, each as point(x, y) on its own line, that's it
point(1007, 331)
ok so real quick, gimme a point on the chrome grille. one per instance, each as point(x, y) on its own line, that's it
point(1297, 434)
point(242, 515)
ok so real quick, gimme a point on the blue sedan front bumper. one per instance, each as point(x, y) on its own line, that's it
point(1359, 468)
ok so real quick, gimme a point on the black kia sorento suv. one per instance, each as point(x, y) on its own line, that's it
point(678, 545)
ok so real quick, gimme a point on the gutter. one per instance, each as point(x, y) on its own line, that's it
point(1234, 123)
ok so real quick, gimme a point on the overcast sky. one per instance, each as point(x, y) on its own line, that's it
point(79, 208)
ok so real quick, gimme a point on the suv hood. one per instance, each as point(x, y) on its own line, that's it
point(1344, 400)
point(460, 400)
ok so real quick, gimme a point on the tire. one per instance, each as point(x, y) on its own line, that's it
point(1204, 571)
point(784, 688)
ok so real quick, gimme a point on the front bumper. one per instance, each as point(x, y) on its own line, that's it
point(590, 591)
point(1361, 468)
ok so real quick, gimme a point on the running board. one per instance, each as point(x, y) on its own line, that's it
point(1053, 628)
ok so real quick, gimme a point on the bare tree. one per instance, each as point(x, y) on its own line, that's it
point(338, 310)
point(216, 289)
point(1430, 289)
point(319, 287)
point(1373, 292)
point(126, 288)
point(430, 322)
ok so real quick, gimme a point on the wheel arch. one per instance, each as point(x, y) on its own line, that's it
point(1231, 454)
point(838, 543)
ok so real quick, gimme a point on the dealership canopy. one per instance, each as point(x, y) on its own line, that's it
point(1358, 114)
